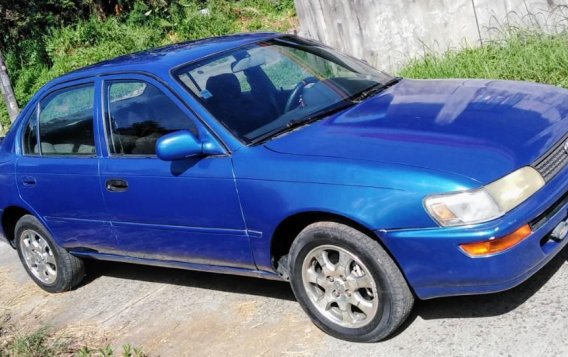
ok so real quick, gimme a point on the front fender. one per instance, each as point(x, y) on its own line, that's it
point(274, 186)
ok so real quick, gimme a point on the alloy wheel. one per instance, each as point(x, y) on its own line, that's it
point(340, 286)
point(38, 256)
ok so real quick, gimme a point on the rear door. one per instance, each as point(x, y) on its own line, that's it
point(58, 168)
point(185, 210)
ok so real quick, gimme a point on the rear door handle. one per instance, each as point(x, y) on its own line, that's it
point(28, 181)
point(116, 185)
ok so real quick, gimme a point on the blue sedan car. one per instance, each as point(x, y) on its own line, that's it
point(271, 156)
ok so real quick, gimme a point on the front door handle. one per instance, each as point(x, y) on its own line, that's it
point(116, 185)
point(28, 180)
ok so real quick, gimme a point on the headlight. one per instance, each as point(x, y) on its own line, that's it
point(486, 203)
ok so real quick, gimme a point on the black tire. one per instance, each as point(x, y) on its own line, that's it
point(395, 299)
point(70, 270)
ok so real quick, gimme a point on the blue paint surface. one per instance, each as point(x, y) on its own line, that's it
point(372, 164)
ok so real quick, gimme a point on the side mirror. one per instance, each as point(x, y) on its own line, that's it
point(181, 145)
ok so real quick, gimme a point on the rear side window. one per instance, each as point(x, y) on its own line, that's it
point(65, 123)
point(138, 114)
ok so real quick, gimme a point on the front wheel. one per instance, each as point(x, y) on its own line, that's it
point(346, 282)
point(51, 267)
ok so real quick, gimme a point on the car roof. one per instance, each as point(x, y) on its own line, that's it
point(161, 60)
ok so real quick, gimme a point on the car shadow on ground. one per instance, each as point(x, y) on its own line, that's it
point(220, 282)
point(442, 308)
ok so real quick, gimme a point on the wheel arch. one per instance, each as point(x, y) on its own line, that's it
point(10, 216)
point(289, 228)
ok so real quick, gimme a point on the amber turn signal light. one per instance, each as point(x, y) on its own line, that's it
point(497, 245)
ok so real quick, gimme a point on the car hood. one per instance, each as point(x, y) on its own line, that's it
point(481, 129)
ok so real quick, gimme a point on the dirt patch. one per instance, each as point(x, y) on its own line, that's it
point(244, 328)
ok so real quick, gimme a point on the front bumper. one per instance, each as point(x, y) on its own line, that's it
point(435, 265)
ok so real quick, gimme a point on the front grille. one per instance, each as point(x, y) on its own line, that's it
point(553, 161)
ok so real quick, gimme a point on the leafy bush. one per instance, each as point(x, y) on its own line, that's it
point(4, 118)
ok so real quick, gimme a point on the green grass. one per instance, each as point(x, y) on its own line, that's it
point(42, 343)
point(35, 344)
point(107, 351)
point(522, 56)
point(46, 342)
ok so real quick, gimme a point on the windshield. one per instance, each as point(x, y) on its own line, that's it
point(268, 87)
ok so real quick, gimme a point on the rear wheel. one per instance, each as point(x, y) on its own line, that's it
point(51, 267)
point(348, 285)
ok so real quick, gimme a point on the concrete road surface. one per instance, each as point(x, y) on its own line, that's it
point(180, 313)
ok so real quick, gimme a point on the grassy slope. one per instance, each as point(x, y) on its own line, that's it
point(527, 57)
point(92, 41)
point(531, 57)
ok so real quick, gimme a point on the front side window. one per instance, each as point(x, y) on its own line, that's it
point(65, 123)
point(138, 114)
point(261, 89)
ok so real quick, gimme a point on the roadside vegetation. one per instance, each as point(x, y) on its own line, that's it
point(45, 342)
point(42, 39)
point(525, 56)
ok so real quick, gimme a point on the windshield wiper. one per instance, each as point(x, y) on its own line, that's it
point(293, 124)
point(377, 88)
point(296, 123)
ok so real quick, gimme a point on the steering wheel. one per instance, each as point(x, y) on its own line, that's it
point(294, 98)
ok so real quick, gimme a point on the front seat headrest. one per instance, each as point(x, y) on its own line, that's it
point(224, 85)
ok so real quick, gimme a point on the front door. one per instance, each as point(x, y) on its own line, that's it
point(184, 210)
